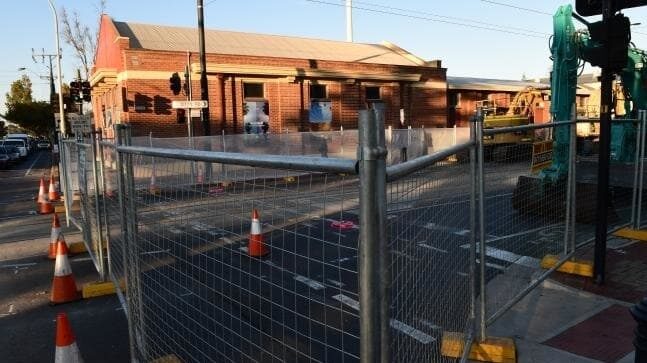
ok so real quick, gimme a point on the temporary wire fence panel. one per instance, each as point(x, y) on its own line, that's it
point(203, 297)
point(89, 207)
point(428, 214)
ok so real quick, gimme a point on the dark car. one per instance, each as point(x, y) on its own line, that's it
point(4, 160)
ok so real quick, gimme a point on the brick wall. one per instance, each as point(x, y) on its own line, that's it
point(146, 103)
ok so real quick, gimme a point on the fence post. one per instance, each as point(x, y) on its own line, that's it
point(97, 209)
point(481, 220)
point(102, 180)
point(473, 212)
point(569, 209)
point(641, 168)
point(373, 273)
point(83, 188)
point(63, 165)
point(121, 182)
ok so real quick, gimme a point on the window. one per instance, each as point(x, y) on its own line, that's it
point(317, 91)
point(253, 90)
point(372, 93)
point(455, 99)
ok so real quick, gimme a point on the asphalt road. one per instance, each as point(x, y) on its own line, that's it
point(200, 295)
point(27, 322)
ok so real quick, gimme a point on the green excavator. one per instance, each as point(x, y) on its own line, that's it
point(570, 48)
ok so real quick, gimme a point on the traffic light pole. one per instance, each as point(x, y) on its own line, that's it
point(599, 259)
point(204, 87)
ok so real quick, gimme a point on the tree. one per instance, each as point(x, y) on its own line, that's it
point(80, 37)
point(20, 92)
point(35, 117)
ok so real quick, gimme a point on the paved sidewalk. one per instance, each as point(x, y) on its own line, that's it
point(570, 319)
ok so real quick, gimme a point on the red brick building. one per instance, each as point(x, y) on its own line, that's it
point(292, 83)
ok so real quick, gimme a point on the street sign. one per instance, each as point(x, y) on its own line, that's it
point(190, 104)
point(80, 123)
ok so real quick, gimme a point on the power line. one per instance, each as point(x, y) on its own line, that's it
point(517, 7)
point(449, 17)
point(426, 18)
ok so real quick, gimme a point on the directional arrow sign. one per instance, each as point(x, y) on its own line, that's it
point(190, 104)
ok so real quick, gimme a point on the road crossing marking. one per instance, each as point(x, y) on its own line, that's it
point(310, 282)
point(154, 252)
point(336, 283)
point(492, 265)
point(416, 334)
point(402, 254)
point(421, 244)
point(344, 259)
point(507, 256)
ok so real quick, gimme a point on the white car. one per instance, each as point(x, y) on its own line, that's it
point(20, 144)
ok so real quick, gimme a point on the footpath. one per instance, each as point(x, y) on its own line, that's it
point(568, 318)
point(27, 321)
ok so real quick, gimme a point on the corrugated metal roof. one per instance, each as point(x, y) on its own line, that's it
point(170, 38)
point(487, 84)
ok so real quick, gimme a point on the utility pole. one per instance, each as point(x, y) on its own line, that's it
point(349, 21)
point(204, 87)
point(58, 69)
point(599, 259)
point(42, 55)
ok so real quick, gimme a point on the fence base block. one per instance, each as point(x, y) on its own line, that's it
point(573, 267)
point(637, 234)
point(171, 358)
point(492, 349)
point(77, 248)
point(94, 289)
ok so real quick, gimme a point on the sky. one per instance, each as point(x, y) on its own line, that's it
point(477, 38)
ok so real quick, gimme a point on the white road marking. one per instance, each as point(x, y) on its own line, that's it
point(402, 254)
point(175, 230)
point(310, 282)
point(245, 250)
point(154, 252)
point(525, 232)
point(492, 265)
point(344, 259)
point(463, 232)
point(336, 283)
point(339, 234)
point(17, 265)
point(80, 259)
point(32, 164)
point(462, 274)
point(199, 226)
point(430, 324)
point(395, 324)
point(432, 247)
point(507, 256)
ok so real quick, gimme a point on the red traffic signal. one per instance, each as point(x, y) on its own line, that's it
point(176, 83)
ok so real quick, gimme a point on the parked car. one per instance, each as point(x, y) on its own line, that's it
point(23, 137)
point(4, 160)
point(43, 145)
point(12, 152)
point(20, 144)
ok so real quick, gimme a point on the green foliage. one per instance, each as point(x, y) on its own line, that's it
point(3, 129)
point(20, 92)
point(35, 117)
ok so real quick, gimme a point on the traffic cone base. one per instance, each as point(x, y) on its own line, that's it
point(256, 247)
point(63, 285)
point(46, 208)
point(66, 348)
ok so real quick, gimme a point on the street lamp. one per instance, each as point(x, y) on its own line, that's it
point(58, 70)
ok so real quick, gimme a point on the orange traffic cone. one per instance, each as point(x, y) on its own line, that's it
point(54, 237)
point(63, 286)
point(53, 193)
point(66, 348)
point(44, 206)
point(256, 247)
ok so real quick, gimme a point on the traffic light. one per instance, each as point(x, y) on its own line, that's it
point(613, 36)
point(176, 83)
point(594, 7)
point(85, 89)
point(75, 88)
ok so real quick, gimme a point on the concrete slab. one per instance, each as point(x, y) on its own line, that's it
point(548, 310)
point(629, 358)
point(532, 352)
